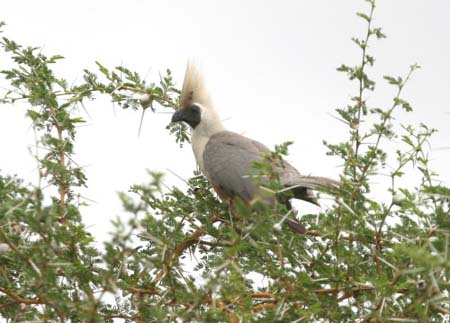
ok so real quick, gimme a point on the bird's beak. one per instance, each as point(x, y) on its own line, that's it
point(178, 116)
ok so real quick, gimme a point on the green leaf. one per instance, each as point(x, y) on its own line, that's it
point(102, 69)
point(364, 16)
point(404, 104)
point(393, 80)
point(33, 115)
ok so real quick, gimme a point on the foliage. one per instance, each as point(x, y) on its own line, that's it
point(183, 256)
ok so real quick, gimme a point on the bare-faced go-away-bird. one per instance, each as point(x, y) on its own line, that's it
point(227, 158)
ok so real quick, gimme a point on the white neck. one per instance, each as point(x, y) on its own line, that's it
point(209, 125)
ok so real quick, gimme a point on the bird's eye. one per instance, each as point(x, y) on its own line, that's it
point(194, 108)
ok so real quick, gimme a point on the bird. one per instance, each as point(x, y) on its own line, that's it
point(227, 158)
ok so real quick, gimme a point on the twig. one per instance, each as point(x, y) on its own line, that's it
point(144, 291)
point(22, 300)
point(189, 241)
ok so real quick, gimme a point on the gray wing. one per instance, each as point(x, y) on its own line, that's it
point(228, 160)
point(298, 186)
point(290, 177)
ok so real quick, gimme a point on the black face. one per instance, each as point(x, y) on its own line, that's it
point(191, 115)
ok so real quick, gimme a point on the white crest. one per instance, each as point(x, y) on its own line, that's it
point(194, 89)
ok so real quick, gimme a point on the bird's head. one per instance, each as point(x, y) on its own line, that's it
point(192, 115)
point(196, 107)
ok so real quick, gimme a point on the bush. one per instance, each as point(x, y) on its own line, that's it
point(182, 256)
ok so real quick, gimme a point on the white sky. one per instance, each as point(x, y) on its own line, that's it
point(270, 66)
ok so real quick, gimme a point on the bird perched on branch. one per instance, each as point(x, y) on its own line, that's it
point(227, 158)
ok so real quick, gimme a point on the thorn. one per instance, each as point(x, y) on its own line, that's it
point(140, 123)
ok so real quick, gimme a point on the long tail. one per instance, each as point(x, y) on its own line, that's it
point(295, 226)
point(312, 182)
point(302, 188)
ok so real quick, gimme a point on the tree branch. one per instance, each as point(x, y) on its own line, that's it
point(22, 300)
